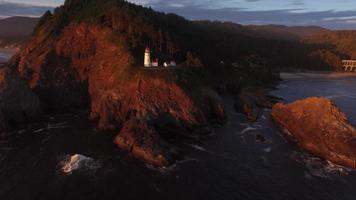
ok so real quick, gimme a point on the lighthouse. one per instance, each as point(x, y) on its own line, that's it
point(147, 59)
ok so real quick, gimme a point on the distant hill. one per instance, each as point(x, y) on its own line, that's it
point(333, 46)
point(16, 30)
point(286, 32)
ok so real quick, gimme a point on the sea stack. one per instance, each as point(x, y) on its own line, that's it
point(320, 128)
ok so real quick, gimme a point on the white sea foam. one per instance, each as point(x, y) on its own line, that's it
point(52, 126)
point(248, 129)
point(75, 162)
point(267, 150)
point(199, 148)
point(316, 167)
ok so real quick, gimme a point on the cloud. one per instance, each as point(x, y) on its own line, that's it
point(297, 3)
point(252, 0)
point(293, 16)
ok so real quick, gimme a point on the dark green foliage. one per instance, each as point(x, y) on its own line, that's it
point(43, 19)
point(192, 61)
point(195, 43)
point(190, 78)
point(332, 47)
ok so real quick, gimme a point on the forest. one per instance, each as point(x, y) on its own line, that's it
point(206, 42)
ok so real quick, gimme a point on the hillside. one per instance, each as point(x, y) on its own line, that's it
point(334, 46)
point(16, 30)
point(280, 32)
point(89, 55)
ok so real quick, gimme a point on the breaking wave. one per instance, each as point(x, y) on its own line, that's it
point(71, 163)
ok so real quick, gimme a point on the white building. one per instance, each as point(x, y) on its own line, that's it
point(173, 64)
point(147, 59)
point(170, 64)
point(154, 63)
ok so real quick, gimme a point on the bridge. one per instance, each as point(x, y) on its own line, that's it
point(349, 65)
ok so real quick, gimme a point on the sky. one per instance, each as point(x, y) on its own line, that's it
point(334, 14)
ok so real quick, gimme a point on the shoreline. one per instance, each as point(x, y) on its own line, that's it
point(316, 75)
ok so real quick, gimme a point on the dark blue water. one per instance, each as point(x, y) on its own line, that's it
point(3, 58)
point(229, 164)
point(5, 54)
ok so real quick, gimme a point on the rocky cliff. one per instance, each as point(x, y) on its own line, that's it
point(320, 128)
point(18, 104)
point(74, 61)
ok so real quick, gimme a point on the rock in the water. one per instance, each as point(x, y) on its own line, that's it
point(18, 104)
point(246, 104)
point(213, 106)
point(260, 138)
point(320, 128)
point(251, 100)
point(145, 143)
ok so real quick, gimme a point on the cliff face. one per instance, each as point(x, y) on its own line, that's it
point(320, 128)
point(82, 63)
point(145, 98)
point(18, 104)
point(60, 69)
point(93, 66)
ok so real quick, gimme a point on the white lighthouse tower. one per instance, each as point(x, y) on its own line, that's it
point(147, 60)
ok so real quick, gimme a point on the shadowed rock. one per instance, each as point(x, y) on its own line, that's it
point(320, 128)
point(145, 143)
point(213, 106)
point(246, 103)
point(18, 104)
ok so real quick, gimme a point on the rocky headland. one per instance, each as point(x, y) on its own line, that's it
point(74, 64)
point(320, 128)
point(88, 56)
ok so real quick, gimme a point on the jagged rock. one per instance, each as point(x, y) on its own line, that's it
point(145, 143)
point(320, 128)
point(246, 104)
point(250, 101)
point(148, 98)
point(18, 104)
point(213, 105)
point(260, 138)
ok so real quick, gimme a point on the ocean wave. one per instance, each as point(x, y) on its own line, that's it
point(52, 126)
point(199, 148)
point(71, 163)
point(249, 129)
point(319, 168)
point(268, 149)
point(341, 96)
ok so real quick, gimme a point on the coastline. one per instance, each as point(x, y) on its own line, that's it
point(316, 75)
point(6, 54)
